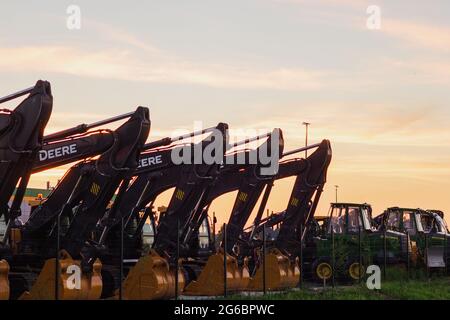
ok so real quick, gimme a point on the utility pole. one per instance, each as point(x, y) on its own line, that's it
point(306, 124)
point(336, 186)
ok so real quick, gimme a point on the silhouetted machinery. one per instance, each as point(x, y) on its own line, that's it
point(243, 249)
point(85, 240)
point(79, 199)
point(192, 183)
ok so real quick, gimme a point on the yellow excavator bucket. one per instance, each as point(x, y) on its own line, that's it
point(4, 282)
point(210, 282)
point(151, 279)
point(281, 273)
point(73, 284)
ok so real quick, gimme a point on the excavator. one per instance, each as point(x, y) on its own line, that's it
point(205, 276)
point(242, 259)
point(144, 190)
point(21, 134)
point(80, 199)
point(44, 152)
point(296, 219)
point(157, 173)
point(154, 270)
point(86, 188)
point(231, 178)
point(242, 247)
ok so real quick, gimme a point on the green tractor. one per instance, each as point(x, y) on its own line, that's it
point(342, 244)
point(348, 242)
point(428, 233)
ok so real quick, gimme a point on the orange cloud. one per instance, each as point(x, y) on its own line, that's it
point(123, 65)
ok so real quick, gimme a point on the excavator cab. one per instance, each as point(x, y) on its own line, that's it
point(205, 238)
point(148, 232)
point(320, 225)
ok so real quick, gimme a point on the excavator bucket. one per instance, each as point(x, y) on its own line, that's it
point(281, 273)
point(73, 284)
point(151, 279)
point(4, 283)
point(211, 280)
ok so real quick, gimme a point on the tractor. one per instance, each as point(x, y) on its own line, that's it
point(347, 242)
point(427, 231)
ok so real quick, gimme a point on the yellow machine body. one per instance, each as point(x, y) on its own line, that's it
point(210, 282)
point(151, 279)
point(281, 273)
point(4, 282)
point(86, 287)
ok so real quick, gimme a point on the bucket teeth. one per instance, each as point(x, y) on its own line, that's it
point(151, 279)
point(4, 282)
point(73, 283)
point(281, 273)
point(210, 282)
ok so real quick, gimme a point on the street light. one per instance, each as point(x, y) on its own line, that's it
point(306, 124)
point(336, 186)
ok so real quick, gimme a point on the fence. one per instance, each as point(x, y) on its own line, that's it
point(325, 259)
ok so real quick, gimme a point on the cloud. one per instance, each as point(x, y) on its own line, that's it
point(434, 71)
point(112, 33)
point(418, 34)
point(366, 123)
point(123, 65)
point(339, 3)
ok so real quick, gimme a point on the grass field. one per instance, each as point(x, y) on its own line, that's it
point(397, 286)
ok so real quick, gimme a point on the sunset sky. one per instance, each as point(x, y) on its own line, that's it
point(381, 96)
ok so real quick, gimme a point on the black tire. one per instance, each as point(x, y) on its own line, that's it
point(353, 271)
point(321, 270)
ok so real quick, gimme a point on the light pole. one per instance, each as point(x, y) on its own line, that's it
point(336, 186)
point(306, 124)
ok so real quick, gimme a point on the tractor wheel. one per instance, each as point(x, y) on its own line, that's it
point(322, 270)
point(354, 271)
